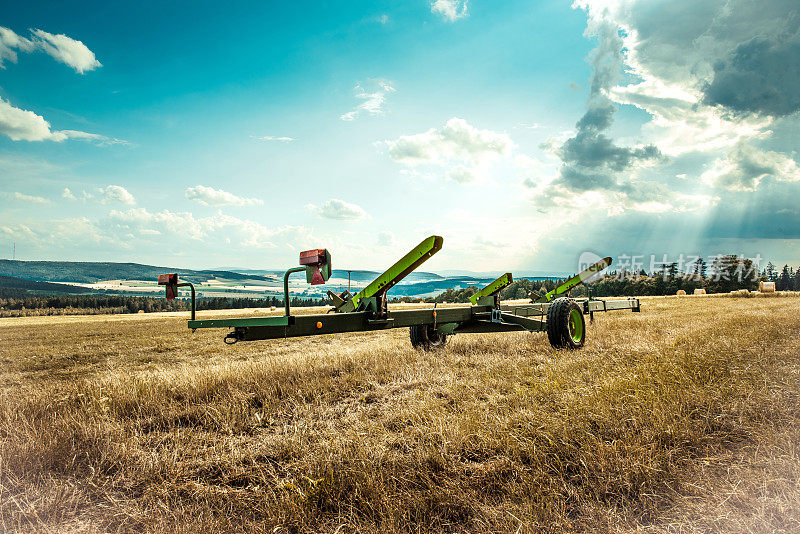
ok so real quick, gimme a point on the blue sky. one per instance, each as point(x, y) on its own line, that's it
point(201, 135)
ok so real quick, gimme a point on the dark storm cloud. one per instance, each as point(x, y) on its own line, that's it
point(595, 150)
point(760, 76)
point(591, 159)
point(597, 118)
point(580, 179)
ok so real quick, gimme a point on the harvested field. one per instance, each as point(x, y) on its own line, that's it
point(685, 417)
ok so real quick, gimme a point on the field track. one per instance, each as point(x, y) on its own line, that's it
point(685, 417)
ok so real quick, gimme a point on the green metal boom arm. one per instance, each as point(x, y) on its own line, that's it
point(405, 265)
point(575, 280)
point(492, 288)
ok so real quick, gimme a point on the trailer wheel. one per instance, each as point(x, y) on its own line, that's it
point(566, 327)
point(425, 337)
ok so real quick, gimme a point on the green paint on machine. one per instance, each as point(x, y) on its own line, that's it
point(367, 310)
point(577, 279)
point(386, 280)
point(492, 289)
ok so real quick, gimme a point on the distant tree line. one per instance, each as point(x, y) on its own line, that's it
point(725, 274)
point(15, 302)
point(10, 282)
point(787, 279)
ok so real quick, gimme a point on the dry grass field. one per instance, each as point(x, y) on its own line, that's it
point(682, 418)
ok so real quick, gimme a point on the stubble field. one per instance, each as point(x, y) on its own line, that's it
point(685, 417)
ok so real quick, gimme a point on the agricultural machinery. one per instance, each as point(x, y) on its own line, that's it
point(560, 316)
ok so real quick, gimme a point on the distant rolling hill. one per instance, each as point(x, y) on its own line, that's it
point(12, 282)
point(355, 275)
point(91, 272)
point(39, 275)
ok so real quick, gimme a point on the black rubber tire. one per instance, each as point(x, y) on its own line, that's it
point(558, 324)
point(425, 337)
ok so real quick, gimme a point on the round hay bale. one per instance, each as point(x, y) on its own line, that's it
point(272, 308)
point(681, 293)
point(140, 311)
point(766, 287)
point(699, 291)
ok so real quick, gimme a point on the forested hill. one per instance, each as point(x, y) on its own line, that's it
point(11, 282)
point(91, 272)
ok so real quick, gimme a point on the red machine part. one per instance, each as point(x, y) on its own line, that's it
point(316, 256)
point(315, 259)
point(316, 278)
point(171, 281)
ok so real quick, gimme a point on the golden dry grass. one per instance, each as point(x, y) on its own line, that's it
point(685, 417)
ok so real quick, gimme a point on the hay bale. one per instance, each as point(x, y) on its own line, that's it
point(681, 293)
point(272, 308)
point(766, 287)
point(699, 291)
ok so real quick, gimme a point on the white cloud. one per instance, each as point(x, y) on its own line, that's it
point(217, 228)
point(637, 196)
point(383, 19)
point(67, 50)
point(708, 57)
point(282, 139)
point(680, 124)
point(465, 151)
point(103, 195)
point(373, 100)
point(713, 81)
point(21, 197)
point(23, 125)
point(456, 140)
point(97, 139)
point(744, 167)
point(208, 196)
point(532, 171)
point(138, 227)
point(60, 47)
point(132, 231)
point(9, 43)
point(450, 10)
point(462, 174)
point(339, 210)
point(115, 193)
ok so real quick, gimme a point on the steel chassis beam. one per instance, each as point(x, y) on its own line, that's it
point(461, 319)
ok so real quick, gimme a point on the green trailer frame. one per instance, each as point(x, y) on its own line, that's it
point(562, 318)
